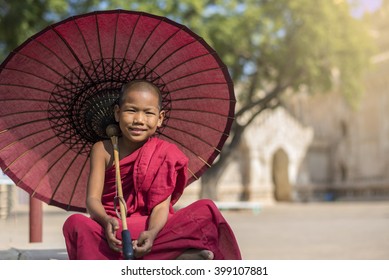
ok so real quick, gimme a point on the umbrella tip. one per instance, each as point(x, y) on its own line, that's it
point(112, 130)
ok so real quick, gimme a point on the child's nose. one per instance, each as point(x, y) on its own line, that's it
point(139, 117)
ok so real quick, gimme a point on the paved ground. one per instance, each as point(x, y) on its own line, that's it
point(317, 231)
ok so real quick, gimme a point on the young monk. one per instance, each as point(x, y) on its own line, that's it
point(154, 175)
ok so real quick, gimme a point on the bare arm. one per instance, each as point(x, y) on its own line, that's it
point(98, 160)
point(158, 219)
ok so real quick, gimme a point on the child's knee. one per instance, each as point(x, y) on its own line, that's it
point(74, 221)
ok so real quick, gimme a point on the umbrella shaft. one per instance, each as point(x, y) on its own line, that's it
point(123, 216)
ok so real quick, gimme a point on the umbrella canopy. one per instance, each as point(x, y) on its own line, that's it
point(58, 88)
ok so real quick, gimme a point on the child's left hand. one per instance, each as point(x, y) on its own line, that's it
point(143, 245)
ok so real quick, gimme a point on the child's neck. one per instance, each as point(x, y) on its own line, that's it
point(126, 147)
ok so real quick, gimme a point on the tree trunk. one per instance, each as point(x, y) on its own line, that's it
point(209, 185)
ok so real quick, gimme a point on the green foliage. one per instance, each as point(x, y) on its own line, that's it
point(20, 19)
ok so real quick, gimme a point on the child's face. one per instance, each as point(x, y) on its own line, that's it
point(139, 115)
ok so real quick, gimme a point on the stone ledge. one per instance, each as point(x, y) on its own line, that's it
point(239, 205)
point(37, 254)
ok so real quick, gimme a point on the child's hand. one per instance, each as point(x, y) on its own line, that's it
point(112, 225)
point(143, 245)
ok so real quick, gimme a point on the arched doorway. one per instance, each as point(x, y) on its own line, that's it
point(282, 187)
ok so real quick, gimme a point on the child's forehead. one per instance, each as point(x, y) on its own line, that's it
point(144, 97)
point(141, 93)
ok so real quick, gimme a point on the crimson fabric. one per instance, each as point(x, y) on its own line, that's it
point(57, 89)
point(149, 176)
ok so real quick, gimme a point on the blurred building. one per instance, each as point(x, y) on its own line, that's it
point(317, 147)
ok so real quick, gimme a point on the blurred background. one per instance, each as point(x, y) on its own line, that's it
point(308, 151)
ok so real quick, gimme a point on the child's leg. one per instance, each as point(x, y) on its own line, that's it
point(85, 239)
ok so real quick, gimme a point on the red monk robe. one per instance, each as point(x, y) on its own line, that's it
point(150, 175)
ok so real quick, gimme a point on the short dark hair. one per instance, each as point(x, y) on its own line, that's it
point(139, 84)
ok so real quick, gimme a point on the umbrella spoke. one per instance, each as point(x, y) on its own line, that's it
point(29, 135)
point(197, 86)
point(195, 73)
point(42, 157)
point(141, 48)
point(189, 149)
point(193, 175)
point(128, 46)
point(30, 150)
point(40, 77)
point(99, 43)
point(65, 172)
point(76, 184)
point(199, 124)
point(114, 47)
point(80, 64)
point(184, 62)
point(166, 57)
point(85, 43)
point(159, 47)
point(202, 111)
point(193, 136)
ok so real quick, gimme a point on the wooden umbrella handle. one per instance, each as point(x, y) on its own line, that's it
point(122, 206)
point(128, 252)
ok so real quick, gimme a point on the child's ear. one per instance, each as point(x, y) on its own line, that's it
point(116, 111)
point(161, 118)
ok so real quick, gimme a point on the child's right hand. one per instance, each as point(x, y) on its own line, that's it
point(111, 227)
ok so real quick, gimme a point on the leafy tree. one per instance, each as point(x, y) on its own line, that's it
point(269, 46)
point(20, 19)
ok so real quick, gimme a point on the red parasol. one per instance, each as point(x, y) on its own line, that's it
point(57, 91)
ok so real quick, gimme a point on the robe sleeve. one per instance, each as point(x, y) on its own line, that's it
point(171, 178)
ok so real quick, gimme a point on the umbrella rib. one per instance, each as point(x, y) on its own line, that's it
point(128, 47)
point(42, 156)
point(25, 112)
point(22, 124)
point(24, 137)
point(201, 98)
point(31, 134)
point(24, 99)
point(202, 111)
point(74, 54)
point(195, 73)
point(66, 171)
point(184, 62)
point(203, 160)
point(141, 49)
point(195, 136)
point(168, 56)
point(114, 46)
point(85, 44)
point(99, 40)
point(26, 152)
point(78, 178)
point(198, 85)
point(30, 122)
point(199, 123)
point(49, 169)
point(41, 78)
point(30, 149)
point(60, 59)
point(160, 46)
point(193, 175)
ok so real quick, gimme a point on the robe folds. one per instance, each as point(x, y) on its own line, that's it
point(150, 175)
